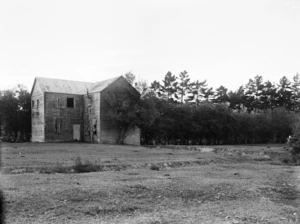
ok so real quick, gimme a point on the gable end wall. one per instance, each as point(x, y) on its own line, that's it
point(37, 115)
point(109, 130)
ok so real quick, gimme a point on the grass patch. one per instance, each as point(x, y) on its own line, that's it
point(107, 161)
point(58, 168)
point(111, 210)
point(220, 150)
point(191, 187)
point(133, 173)
point(291, 159)
point(86, 167)
point(261, 159)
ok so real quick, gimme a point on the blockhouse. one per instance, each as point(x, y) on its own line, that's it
point(65, 110)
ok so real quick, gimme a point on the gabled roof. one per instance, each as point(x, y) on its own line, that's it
point(62, 86)
point(99, 86)
point(71, 87)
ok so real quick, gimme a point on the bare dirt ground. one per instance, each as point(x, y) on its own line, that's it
point(152, 185)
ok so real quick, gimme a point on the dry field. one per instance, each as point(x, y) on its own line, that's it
point(174, 184)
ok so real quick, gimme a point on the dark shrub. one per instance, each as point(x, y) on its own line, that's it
point(85, 167)
point(295, 140)
point(154, 167)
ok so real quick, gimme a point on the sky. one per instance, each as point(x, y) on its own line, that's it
point(223, 42)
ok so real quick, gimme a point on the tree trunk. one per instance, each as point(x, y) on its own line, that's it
point(122, 136)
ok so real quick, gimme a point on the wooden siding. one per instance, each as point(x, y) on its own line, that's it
point(91, 114)
point(109, 129)
point(37, 114)
point(56, 109)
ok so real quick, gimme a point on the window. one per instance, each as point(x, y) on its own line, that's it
point(70, 102)
point(32, 103)
point(37, 103)
point(58, 104)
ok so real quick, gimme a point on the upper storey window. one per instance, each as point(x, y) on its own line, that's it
point(37, 103)
point(32, 103)
point(70, 102)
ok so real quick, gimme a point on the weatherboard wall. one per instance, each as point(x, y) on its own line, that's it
point(58, 114)
point(37, 114)
point(92, 117)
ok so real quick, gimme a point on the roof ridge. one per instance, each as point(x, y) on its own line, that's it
point(39, 77)
point(73, 86)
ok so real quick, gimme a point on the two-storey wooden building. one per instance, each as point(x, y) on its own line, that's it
point(64, 110)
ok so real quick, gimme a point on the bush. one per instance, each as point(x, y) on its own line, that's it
point(154, 167)
point(85, 167)
point(295, 141)
point(294, 156)
point(292, 159)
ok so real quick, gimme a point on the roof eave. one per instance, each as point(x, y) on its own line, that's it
point(33, 87)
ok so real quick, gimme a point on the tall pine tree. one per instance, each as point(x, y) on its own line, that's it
point(184, 85)
point(197, 92)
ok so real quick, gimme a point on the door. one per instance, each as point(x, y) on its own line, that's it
point(76, 132)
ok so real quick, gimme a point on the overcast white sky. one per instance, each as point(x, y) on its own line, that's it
point(224, 42)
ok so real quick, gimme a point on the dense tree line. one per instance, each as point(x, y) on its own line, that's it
point(15, 114)
point(187, 112)
point(215, 124)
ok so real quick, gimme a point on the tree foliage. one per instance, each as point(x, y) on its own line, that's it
point(122, 107)
point(197, 92)
point(140, 85)
point(210, 123)
point(127, 110)
point(15, 113)
point(255, 96)
point(295, 141)
point(257, 112)
point(184, 86)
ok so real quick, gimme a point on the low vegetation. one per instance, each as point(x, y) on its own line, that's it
point(154, 167)
point(85, 167)
point(295, 140)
